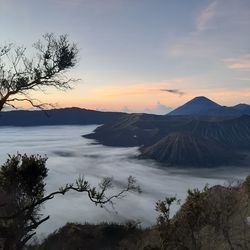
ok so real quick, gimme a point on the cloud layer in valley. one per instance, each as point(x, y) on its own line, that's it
point(70, 155)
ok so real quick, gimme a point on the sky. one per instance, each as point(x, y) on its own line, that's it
point(142, 55)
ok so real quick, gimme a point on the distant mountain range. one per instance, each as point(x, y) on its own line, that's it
point(200, 133)
point(202, 106)
point(181, 140)
point(65, 116)
point(199, 106)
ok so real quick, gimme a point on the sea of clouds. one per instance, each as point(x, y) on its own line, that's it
point(70, 155)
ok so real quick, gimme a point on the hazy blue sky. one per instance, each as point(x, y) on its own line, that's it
point(132, 49)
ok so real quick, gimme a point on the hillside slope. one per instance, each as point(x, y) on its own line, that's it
point(214, 218)
point(181, 140)
point(186, 149)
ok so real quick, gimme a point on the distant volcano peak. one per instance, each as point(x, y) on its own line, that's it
point(202, 99)
point(195, 106)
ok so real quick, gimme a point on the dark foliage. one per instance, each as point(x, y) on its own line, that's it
point(22, 191)
point(213, 218)
point(21, 185)
point(92, 237)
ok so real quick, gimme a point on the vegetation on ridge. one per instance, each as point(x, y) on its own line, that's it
point(214, 218)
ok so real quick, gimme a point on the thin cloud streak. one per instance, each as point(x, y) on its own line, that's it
point(241, 63)
point(211, 37)
point(174, 91)
point(243, 79)
point(206, 16)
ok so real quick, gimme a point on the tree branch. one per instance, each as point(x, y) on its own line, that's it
point(82, 186)
point(20, 74)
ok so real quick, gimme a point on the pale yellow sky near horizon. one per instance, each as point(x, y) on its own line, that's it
point(137, 97)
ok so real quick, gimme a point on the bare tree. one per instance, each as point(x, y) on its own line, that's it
point(20, 74)
point(22, 187)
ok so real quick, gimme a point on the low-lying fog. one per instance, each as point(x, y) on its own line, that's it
point(71, 155)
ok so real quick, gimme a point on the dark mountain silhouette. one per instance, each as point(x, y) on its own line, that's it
point(181, 140)
point(243, 108)
point(65, 116)
point(195, 106)
point(233, 132)
point(202, 106)
point(206, 134)
point(186, 149)
point(130, 130)
point(199, 133)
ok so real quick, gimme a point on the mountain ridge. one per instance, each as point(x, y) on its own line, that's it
point(63, 116)
point(181, 140)
point(202, 106)
point(190, 140)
